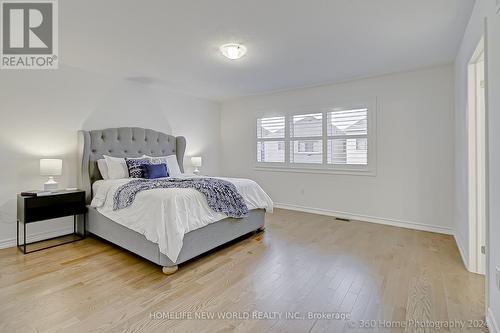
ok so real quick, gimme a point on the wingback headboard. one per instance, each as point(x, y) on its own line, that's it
point(122, 142)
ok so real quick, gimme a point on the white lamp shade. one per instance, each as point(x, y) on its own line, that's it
point(50, 167)
point(196, 161)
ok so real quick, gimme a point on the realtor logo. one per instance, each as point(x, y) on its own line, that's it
point(29, 34)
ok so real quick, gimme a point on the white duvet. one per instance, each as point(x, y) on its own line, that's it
point(164, 216)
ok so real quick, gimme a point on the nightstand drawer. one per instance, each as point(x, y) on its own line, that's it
point(32, 209)
point(58, 204)
point(53, 211)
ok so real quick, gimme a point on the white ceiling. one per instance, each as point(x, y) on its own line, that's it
point(291, 43)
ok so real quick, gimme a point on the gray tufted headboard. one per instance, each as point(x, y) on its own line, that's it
point(122, 142)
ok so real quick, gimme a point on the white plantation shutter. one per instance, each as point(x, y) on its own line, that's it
point(271, 140)
point(268, 128)
point(306, 138)
point(347, 136)
point(335, 139)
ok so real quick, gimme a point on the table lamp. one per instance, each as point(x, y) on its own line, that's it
point(50, 167)
point(196, 162)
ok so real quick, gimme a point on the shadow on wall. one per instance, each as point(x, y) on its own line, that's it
point(128, 103)
point(24, 174)
point(46, 124)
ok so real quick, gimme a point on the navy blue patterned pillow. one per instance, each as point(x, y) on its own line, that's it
point(134, 166)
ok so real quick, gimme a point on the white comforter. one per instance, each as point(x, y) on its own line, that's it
point(164, 216)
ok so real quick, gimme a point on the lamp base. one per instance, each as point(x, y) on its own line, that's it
point(51, 185)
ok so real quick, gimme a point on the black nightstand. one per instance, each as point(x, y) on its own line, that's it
point(58, 204)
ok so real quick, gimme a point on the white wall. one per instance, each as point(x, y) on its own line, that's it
point(494, 163)
point(470, 41)
point(41, 112)
point(413, 185)
point(483, 9)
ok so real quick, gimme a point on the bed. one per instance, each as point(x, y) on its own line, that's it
point(135, 142)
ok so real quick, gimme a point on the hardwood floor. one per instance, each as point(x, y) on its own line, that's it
point(302, 263)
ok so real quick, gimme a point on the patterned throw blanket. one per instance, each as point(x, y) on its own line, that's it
point(222, 196)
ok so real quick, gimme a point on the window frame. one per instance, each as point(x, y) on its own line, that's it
point(290, 140)
point(283, 139)
point(347, 169)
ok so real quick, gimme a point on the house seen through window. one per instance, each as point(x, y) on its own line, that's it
point(333, 139)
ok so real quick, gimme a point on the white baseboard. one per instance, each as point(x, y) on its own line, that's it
point(491, 322)
point(461, 249)
point(366, 218)
point(11, 242)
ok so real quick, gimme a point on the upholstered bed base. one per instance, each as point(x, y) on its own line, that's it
point(134, 142)
point(195, 242)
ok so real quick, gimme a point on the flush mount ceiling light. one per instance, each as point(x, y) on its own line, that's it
point(233, 51)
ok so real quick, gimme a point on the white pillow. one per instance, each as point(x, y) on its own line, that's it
point(172, 164)
point(117, 167)
point(103, 168)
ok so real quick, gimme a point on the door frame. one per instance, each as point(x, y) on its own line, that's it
point(477, 161)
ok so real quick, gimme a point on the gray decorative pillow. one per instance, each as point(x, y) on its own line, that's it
point(134, 165)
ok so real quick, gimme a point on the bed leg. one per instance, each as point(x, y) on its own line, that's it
point(168, 270)
point(261, 229)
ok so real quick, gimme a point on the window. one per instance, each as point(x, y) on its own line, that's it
point(271, 140)
point(347, 132)
point(306, 135)
point(335, 139)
